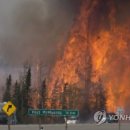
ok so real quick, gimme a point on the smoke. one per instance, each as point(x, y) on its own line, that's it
point(99, 38)
point(32, 29)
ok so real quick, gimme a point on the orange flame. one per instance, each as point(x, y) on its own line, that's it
point(109, 51)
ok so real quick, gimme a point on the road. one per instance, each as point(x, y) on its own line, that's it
point(70, 127)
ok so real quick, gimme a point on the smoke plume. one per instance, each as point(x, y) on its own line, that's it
point(32, 29)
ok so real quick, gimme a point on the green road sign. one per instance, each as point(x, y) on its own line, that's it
point(44, 112)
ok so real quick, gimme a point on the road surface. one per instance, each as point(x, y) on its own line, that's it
point(70, 127)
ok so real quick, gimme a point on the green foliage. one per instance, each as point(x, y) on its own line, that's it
point(26, 90)
point(7, 93)
point(16, 99)
point(43, 95)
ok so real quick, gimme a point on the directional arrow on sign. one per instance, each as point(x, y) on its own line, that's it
point(9, 107)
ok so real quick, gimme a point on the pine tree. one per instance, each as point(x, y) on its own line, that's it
point(70, 97)
point(26, 91)
point(7, 93)
point(17, 100)
point(100, 96)
point(73, 97)
point(56, 100)
point(64, 96)
point(43, 95)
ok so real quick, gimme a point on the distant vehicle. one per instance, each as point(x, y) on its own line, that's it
point(3, 119)
point(72, 120)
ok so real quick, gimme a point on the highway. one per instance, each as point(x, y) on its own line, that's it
point(125, 126)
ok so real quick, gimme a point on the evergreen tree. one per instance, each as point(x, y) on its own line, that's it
point(17, 100)
point(7, 93)
point(55, 101)
point(73, 97)
point(64, 96)
point(26, 91)
point(43, 95)
point(70, 97)
point(100, 96)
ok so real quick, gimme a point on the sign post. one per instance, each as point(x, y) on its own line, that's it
point(9, 125)
point(66, 125)
point(119, 112)
point(52, 112)
point(39, 120)
point(9, 109)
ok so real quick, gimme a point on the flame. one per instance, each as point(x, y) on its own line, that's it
point(97, 54)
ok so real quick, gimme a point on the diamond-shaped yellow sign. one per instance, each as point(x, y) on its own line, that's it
point(9, 108)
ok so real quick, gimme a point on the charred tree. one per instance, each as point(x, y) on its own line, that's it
point(43, 95)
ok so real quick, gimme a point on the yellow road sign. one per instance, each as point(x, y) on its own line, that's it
point(9, 108)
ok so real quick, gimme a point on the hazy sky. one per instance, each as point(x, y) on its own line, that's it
point(31, 29)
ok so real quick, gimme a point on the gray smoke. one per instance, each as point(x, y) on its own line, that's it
point(32, 29)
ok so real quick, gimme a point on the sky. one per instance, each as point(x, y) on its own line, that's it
point(32, 30)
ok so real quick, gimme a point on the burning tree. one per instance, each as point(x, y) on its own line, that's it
point(95, 58)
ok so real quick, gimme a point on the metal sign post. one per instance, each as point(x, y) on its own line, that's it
point(40, 126)
point(39, 121)
point(119, 112)
point(9, 109)
point(9, 126)
point(66, 125)
point(119, 122)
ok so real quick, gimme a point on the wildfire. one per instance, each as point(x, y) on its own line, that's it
point(98, 48)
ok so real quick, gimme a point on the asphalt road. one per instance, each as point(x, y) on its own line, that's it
point(70, 127)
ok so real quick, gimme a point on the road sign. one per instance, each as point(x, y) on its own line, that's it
point(120, 111)
point(45, 112)
point(9, 108)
